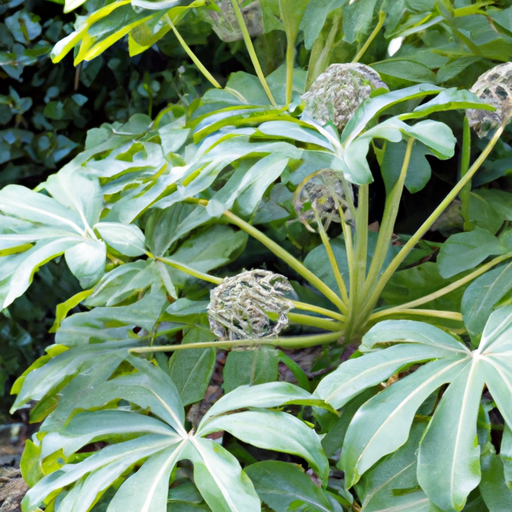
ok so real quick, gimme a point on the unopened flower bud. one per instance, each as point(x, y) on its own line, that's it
point(493, 87)
point(321, 195)
point(252, 304)
point(337, 93)
point(225, 24)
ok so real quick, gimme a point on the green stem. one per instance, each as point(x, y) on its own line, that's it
point(450, 315)
point(464, 166)
point(252, 52)
point(358, 276)
point(190, 271)
point(317, 309)
point(287, 342)
point(447, 289)
point(290, 62)
point(192, 55)
point(388, 223)
point(332, 260)
point(373, 35)
point(293, 262)
point(314, 321)
point(349, 248)
point(361, 235)
point(406, 249)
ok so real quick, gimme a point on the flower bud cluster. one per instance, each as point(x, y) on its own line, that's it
point(250, 305)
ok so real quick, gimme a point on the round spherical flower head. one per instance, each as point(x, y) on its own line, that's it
point(493, 87)
point(250, 305)
point(337, 93)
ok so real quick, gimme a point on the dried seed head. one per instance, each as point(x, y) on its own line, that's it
point(226, 26)
point(495, 88)
point(321, 195)
point(252, 304)
point(336, 93)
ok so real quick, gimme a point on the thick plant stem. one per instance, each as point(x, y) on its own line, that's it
point(314, 321)
point(358, 275)
point(191, 271)
point(449, 315)
point(407, 248)
point(373, 35)
point(447, 289)
point(192, 55)
point(332, 259)
point(317, 309)
point(464, 166)
point(293, 262)
point(290, 62)
point(388, 222)
point(287, 342)
point(252, 52)
point(349, 248)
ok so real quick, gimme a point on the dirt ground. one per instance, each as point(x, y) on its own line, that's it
point(12, 485)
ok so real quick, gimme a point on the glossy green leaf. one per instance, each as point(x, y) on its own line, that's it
point(291, 15)
point(220, 479)
point(356, 375)
point(481, 296)
point(113, 460)
point(127, 239)
point(191, 370)
point(31, 260)
point(248, 367)
point(38, 381)
point(211, 248)
point(86, 261)
point(85, 427)
point(449, 99)
point(482, 212)
point(419, 171)
point(247, 185)
point(111, 323)
point(495, 492)
point(28, 205)
point(382, 425)
point(62, 309)
point(270, 430)
point(392, 484)
point(272, 394)
point(163, 226)
point(476, 245)
point(452, 433)
point(373, 106)
point(151, 482)
point(404, 71)
point(415, 282)
point(357, 20)
point(81, 195)
point(285, 487)
point(70, 5)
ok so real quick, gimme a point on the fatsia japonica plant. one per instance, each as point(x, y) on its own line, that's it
point(242, 223)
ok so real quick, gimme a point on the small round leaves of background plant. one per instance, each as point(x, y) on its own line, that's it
point(253, 304)
point(495, 88)
point(337, 93)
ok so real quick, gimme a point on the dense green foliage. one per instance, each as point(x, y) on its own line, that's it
point(254, 235)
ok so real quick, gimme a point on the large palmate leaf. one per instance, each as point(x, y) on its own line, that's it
point(36, 228)
point(150, 433)
point(448, 458)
